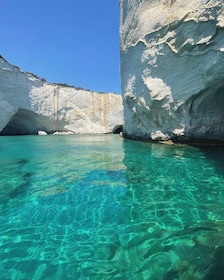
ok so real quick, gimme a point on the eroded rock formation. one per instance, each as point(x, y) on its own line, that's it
point(172, 69)
point(29, 104)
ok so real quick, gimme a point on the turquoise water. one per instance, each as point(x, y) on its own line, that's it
point(101, 207)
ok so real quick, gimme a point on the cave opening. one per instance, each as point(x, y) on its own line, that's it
point(117, 129)
point(26, 122)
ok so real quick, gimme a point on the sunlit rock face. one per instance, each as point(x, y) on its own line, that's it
point(29, 104)
point(172, 69)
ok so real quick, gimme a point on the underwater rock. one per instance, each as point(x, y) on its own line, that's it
point(172, 74)
point(29, 104)
point(217, 269)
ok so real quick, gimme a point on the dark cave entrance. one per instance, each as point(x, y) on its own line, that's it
point(26, 122)
point(117, 129)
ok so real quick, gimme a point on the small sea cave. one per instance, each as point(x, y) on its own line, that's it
point(117, 129)
point(26, 122)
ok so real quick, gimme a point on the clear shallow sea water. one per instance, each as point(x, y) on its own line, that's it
point(101, 207)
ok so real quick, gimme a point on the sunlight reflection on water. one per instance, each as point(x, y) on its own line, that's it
point(101, 207)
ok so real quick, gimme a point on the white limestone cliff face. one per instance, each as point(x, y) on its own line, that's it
point(172, 69)
point(29, 104)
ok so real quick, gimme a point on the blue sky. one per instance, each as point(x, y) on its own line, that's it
point(69, 41)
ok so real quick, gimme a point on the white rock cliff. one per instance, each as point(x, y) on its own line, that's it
point(29, 104)
point(172, 69)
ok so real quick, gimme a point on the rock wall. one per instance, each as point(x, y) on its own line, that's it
point(29, 104)
point(172, 69)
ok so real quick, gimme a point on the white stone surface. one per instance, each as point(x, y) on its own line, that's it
point(29, 104)
point(172, 69)
point(41, 132)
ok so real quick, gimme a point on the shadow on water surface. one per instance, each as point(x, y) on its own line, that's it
point(214, 154)
point(21, 189)
point(176, 191)
point(16, 190)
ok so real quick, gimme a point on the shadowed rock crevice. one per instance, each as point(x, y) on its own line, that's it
point(207, 115)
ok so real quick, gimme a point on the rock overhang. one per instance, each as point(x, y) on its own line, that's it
point(29, 104)
point(172, 73)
